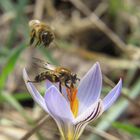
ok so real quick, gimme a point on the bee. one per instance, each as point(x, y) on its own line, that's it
point(55, 74)
point(40, 32)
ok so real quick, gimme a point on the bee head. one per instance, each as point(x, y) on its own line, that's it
point(74, 78)
point(47, 37)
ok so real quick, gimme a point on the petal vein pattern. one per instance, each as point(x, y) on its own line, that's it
point(90, 88)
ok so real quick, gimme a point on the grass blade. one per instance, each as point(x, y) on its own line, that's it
point(127, 128)
point(8, 68)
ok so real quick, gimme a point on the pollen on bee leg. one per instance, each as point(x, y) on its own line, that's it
point(74, 103)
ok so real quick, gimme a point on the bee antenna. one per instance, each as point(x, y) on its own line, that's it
point(76, 77)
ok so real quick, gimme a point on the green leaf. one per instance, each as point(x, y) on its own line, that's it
point(9, 66)
point(20, 96)
point(129, 128)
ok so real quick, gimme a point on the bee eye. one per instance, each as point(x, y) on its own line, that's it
point(46, 38)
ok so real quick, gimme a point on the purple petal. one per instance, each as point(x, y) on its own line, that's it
point(112, 95)
point(57, 105)
point(64, 92)
point(33, 91)
point(90, 87)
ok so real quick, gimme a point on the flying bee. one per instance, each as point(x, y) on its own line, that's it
point(55, 74)
point(40, 32)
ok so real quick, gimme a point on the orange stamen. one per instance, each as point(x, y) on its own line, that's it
point(74, 103)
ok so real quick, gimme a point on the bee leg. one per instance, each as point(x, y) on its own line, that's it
point(32, 81)
point(60, 87)
point(32, 37)
point(31, 41)
point(38, 43)
point(67, 85)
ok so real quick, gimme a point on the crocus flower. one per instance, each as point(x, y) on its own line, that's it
point(73, 109)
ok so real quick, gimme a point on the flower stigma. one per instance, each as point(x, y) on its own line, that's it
point(72, 97)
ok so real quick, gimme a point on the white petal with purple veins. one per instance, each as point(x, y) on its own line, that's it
point(33, 91)
point(90, 114)
point(112, 96)
point(90, 87)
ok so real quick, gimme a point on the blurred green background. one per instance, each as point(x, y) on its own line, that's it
point(86, 31)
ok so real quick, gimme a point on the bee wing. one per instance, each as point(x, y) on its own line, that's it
point(43, 64)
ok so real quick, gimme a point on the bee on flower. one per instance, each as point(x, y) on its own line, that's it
point(55, 74)
point(76, 107)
